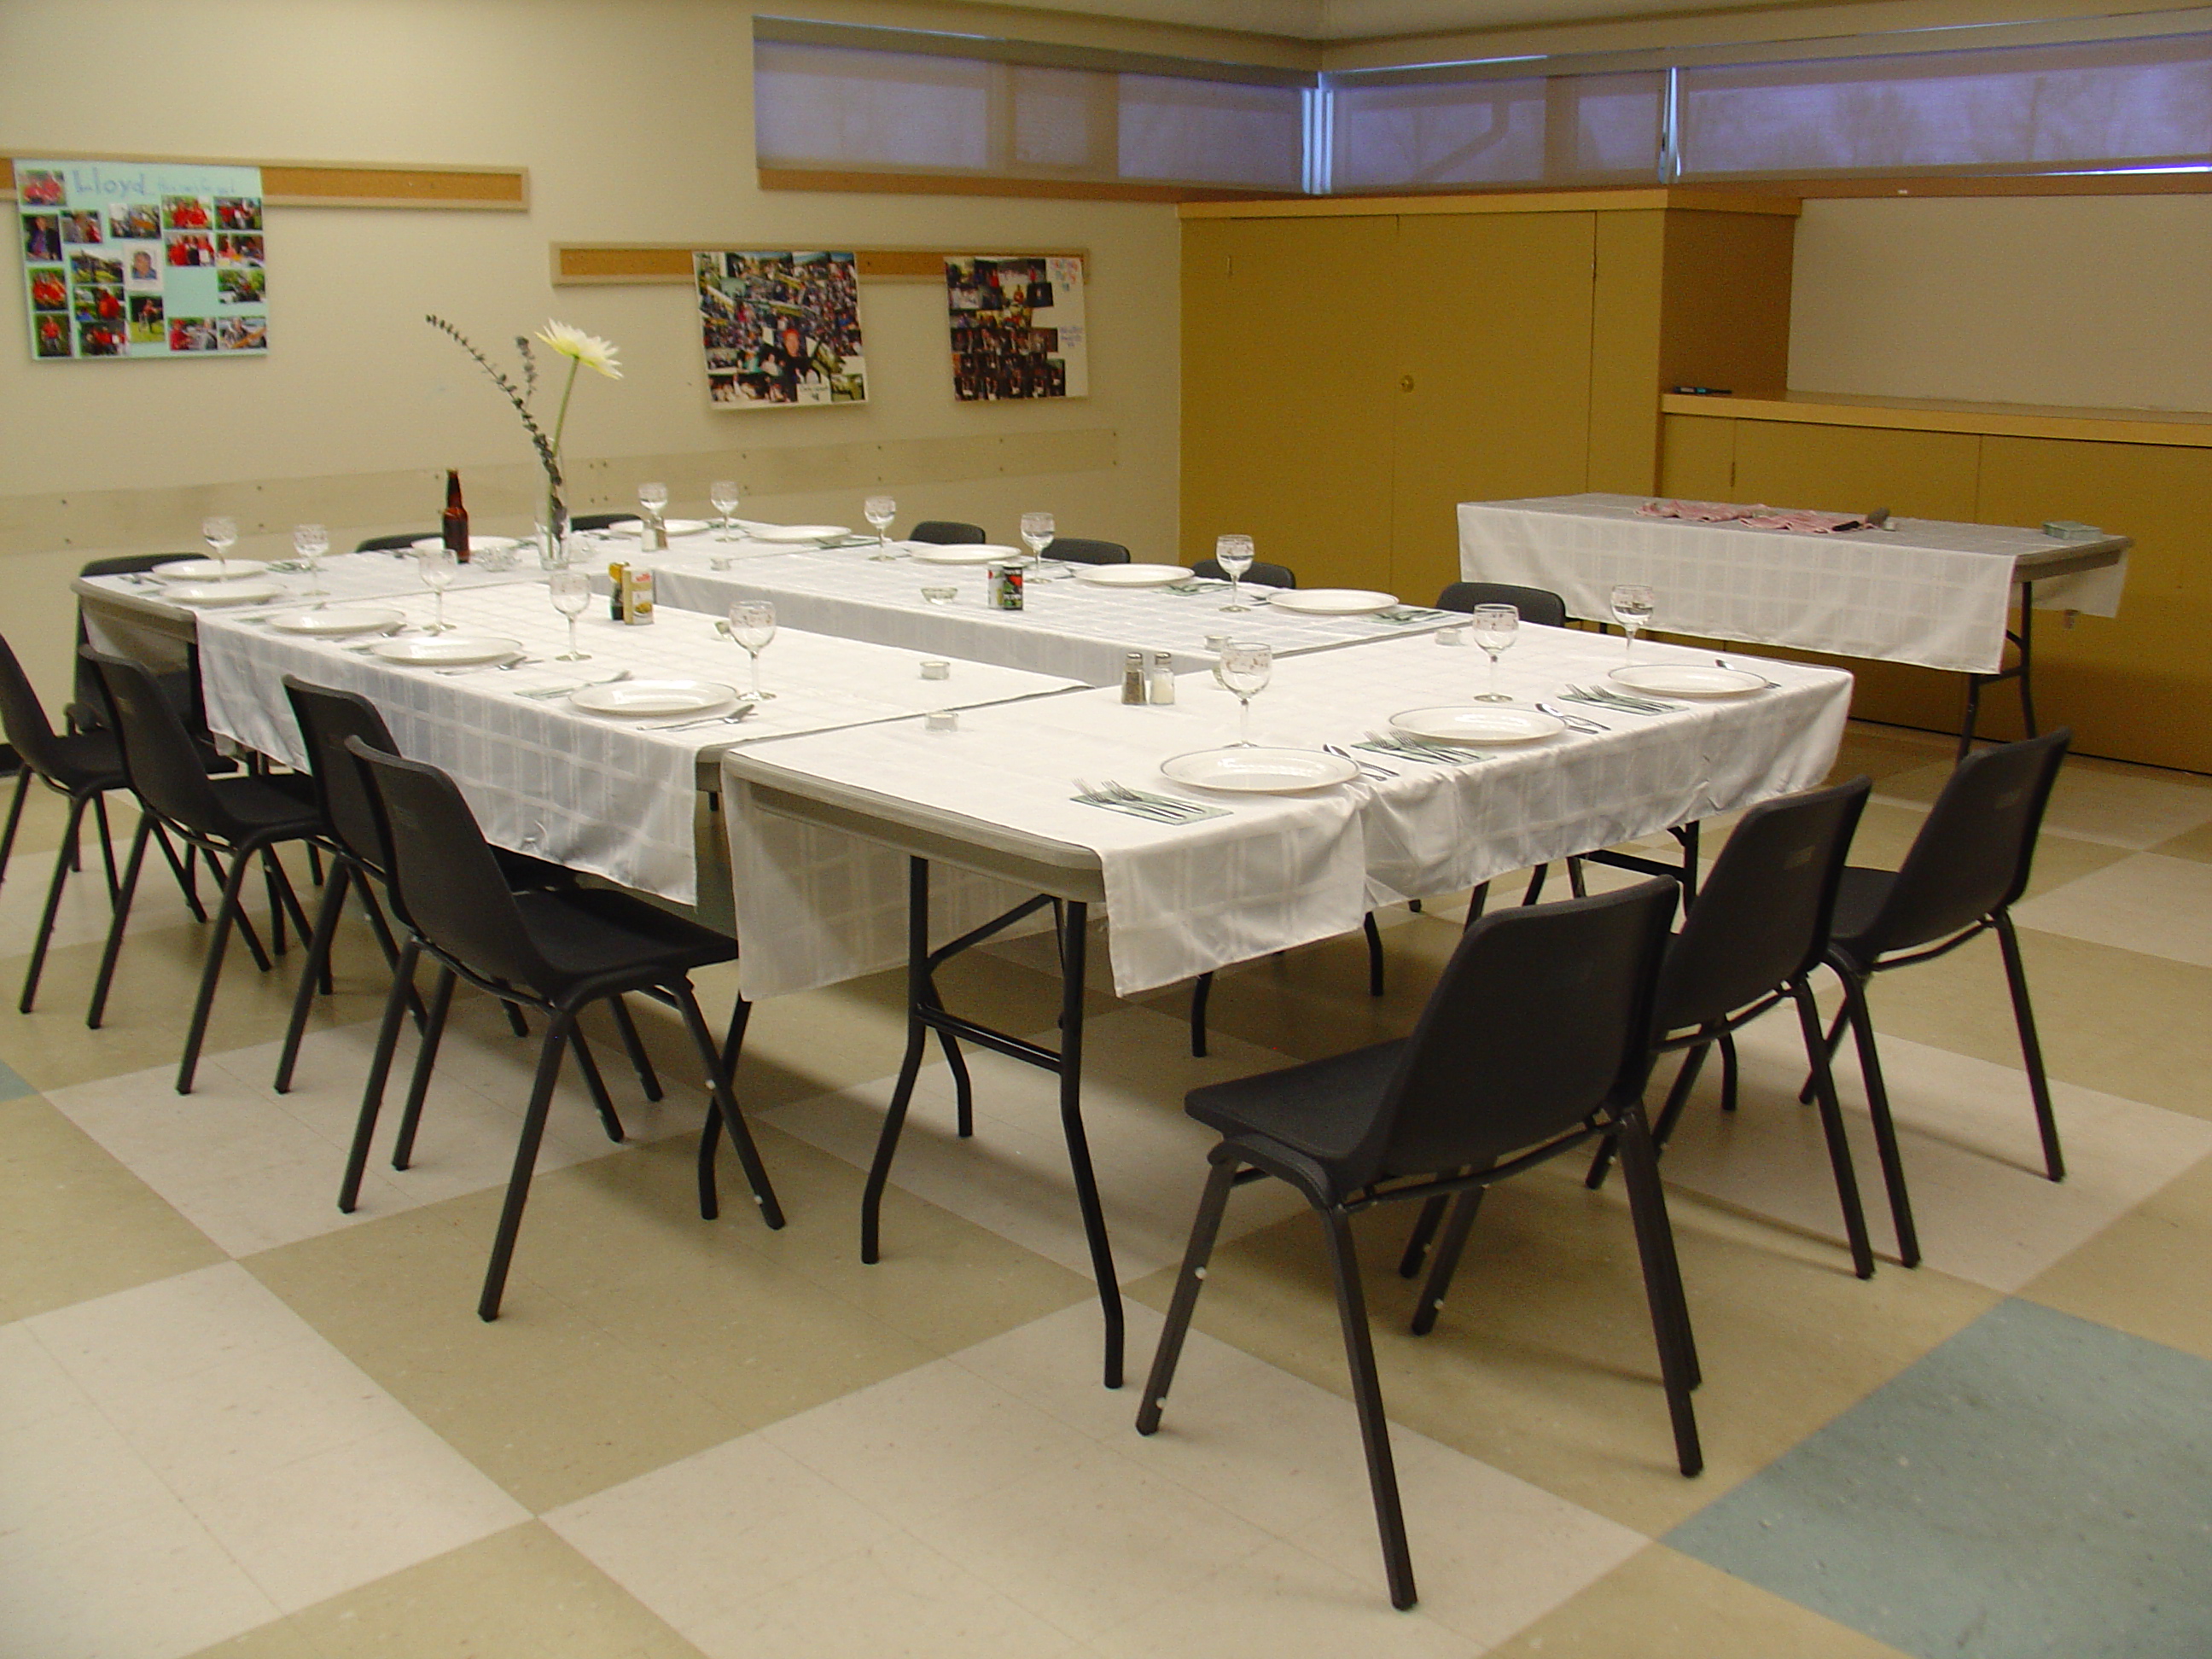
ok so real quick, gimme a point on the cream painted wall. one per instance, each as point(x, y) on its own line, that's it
point(634, 120)
point(2097, 300)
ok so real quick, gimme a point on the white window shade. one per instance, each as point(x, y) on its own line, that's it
point(2023, 109)
point(1582, 129)
point(825, 107)
point(1211, 132)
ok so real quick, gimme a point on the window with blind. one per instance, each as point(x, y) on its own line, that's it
point(1565, 129)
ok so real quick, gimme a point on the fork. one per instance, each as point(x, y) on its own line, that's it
point(1604, 699)
point(746, 713)
point(1368, 767)
point(1580, 723)
point(1130, 797)
point(1093, 796)
point(1722, 662)
point(1413, 750)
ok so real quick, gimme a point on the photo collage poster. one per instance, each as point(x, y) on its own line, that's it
point(780, 329)
point(142, 259)
point(1016, 328)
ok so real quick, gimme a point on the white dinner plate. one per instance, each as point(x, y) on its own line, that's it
point(645, 697)
point(337, 622)
point(1261, 771)
point(246, 593)
point(1689, 679)
point(795, 532)
point(209, 570)
point(633, 529)
point(1332, 601)
point(1131, 575)
point(477, 544)
point(1476, 723)
point(445, 650)
point(967, 553)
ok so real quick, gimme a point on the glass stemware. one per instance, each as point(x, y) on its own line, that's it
point(572, 592)
point(752, 625)
point(1494, 627)
point(1632, 609)
point(879, 511)
point(436, 567)
point(1037, 531)
point(653, 498)
point(1234, 554)
point(1245, 669)
point(311, 541)
point(723, 494)
point(221, 534)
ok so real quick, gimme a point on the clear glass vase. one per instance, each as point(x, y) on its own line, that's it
point(552, 531)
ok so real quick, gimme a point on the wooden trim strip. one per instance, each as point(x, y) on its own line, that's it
point(1599, 200)
point(2183, 429)
point(996, 49)
point(966, 184)
point(2044, 183)
point(577, 264)
point(340, 184)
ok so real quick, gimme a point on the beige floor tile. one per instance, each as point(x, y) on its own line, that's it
point(519, 1594)
point(2145, 1272)
point(2109, 801)
point(1542, 1365)
point(1973, 1158)
point(1664, 1605)
point(2149, 902)
point(1882, 751)
point(2190, 844)
point(1887, 830)
point(75, 1223)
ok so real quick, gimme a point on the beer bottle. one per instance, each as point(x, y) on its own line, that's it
point(455, 524)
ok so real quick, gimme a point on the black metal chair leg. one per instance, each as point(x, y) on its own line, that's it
point(2031, 1047)
point(182, 869)
point(1575, 882)
point(1478, 896)
point(1201, 990)
point(733, 1041)
point(269, 878)
point(97, 1007)
point(1535, 883)
point(54, 903)
point(14, 817)
point(1884, 1127)
point(1670, 1319)
point(1832, 1125)
point(1374, 954)
point(426, 1062)
point(379, 1069)
point(1424, 1231)
point(515, 1023)
point(587, 1063)
point(1728, 1072)
point(106, 844)
point(726, 1108)
point(225, 913)
point(1448, 1248)
point(316, 966)
point(1367, 1396)
point(1205, 1228)
point(526, 1163)
point(640, 1062)
point(1677, 1095)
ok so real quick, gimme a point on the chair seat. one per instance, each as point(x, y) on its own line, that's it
point(258, 804)
point(1321, 1109)
point(589, 933)
point(82, 760)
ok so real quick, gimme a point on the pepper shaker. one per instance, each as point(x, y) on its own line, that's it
point(1132, 677)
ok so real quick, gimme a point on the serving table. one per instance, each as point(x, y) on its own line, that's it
point(1920, 591)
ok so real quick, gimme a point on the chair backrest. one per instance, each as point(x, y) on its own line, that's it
point(1076, 550)
point(444, 881)
point(1541, 1016)
point(327, 718)
point(1268, 575)
point(1973, 855)
point(88, 700)
point(1536, 605)
point(160, 759)
point(1763, 910)
point(391, 544)
point(24, 717)
point(601, 520)
point(947, 533)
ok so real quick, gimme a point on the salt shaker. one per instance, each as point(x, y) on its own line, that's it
point(1159, 685)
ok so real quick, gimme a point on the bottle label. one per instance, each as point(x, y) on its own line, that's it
point(1006, 586)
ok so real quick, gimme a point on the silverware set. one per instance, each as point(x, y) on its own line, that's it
point(1584, 724)
point(1435, 754)
point(1599, 697)
point(1159, 809)
point(545, 691)
point(1367, 767)
point(742, 712)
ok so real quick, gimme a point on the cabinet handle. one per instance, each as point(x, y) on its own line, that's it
point(1405, 383)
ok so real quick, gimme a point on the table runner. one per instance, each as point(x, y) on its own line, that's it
point(612, 797)
point(815, 904)
point(1926, 591)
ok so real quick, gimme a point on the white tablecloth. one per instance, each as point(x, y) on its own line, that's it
point(815, 904)
point(1927, 592)
point(1067, 626)
point(611, 797)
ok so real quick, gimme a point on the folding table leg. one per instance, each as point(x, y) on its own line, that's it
point(1079, 1145)
point(917, 1037)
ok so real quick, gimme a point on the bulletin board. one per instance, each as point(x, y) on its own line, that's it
point(1017, 327)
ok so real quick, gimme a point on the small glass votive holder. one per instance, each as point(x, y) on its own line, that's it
point(941, 720)
point(1450, 636)
point(936, 668)
point(1217, 643)
point(942, 595)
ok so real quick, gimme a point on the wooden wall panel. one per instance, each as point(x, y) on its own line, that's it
point(1624, 359)
point(1697, 458)
point(1928, 474)
point(1726, 319)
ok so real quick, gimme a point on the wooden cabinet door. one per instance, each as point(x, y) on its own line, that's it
point(1491, 388)
point(1287, 378)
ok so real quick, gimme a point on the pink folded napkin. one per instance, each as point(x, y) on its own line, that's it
point(1797, 519)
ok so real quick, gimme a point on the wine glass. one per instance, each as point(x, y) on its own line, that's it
point(653, 498)
point(1494, 627)
point(436, 566)
point(1234, 554)
point(1245, 669)
point(752, 625)
point(311, 541)
point(1037, 531)
point(221, 534)
point(1632, 609)
point(879, 511)
point(723, 493)
point(572, 592)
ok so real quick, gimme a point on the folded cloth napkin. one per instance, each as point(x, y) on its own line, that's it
point(1799, 520)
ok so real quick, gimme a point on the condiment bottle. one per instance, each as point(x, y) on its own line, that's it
point(453, 524)
point(1159, 686)
point(1132, 677)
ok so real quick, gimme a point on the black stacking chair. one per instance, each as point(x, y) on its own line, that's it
point(1268, 575)
point(1075, 551)
point(398, 544)
point(1534, 1042)
point(1759, 931)
point(554, 950)
point(240, 819)
point(326, 719)
point(88, 709)
point(1967, 867)
point(600, 521)
point(1536, 605)
point(947, 533)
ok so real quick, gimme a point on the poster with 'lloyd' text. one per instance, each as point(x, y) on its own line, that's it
point(142, 259)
